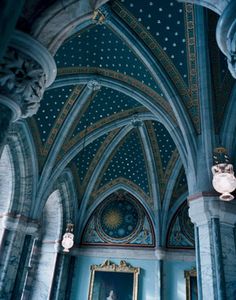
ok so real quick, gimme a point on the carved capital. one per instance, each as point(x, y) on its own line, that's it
point(26, 70)
point(23, 81)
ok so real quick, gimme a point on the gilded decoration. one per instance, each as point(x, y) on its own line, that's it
point(111, 280)
point(61, 118)
point(115, 117)
point(190, 96)
point(181, 230)
point(163, 176)
point(121, 181)
point(98, 156)
point(119, 219)
point(127, 143)
point(191, 284)
point(152, 44)
point(121, 77)
point(193, 104)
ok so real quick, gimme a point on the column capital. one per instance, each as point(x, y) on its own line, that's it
point(26, 70)
point(204, 207)
point(20, 223)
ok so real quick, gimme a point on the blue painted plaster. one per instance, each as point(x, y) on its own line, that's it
point(148, 278)
point(146, 290)
point(174, 281)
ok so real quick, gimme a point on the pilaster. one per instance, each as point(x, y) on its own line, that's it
point(215, 248)
point(40, 280)
point(58, 290)
point(15, 229)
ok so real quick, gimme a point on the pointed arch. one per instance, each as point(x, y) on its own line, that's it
point(115, 188)
point(25, 164)
point(60, 208)
point(7, 178)
point(57, 22)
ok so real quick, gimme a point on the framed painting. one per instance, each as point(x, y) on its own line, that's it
point(109, 281)
point(191, 284)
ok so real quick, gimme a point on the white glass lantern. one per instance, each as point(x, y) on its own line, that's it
point(68, 238)
point(224, 181)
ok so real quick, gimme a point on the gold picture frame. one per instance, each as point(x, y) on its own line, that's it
point(191, 284)
point(107, 281)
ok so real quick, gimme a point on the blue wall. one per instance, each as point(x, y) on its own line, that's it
point(149, 277)
point(174, 281)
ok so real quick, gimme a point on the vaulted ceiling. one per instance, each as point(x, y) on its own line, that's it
point(125, 133)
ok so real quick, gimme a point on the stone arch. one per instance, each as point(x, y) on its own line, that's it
point(126, 189)
point(24, 167)
point(52, 217)
point(7, 175)
point(217, 6)
point(59, 209)
point(57, 22)
point(180, 232)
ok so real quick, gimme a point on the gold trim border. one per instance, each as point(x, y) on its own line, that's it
point(108, 266)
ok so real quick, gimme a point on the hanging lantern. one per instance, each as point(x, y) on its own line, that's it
point(223, 181)
point(68, 238)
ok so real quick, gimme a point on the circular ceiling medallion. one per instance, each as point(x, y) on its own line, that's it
point(119, 219)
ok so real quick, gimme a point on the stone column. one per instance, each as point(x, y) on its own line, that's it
point(214, 222)
point(226, 27)
point(26, 70)
point(40, 285)
point(15, 230)
point(58, 290)
point(226, 35)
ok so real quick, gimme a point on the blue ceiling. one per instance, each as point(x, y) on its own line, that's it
point(105, 103)
point(50, 107)
point(100, 47)
point(179, 188)
point(165, 143)
point(84, 158)
point(165, 21)
point(128, 161)
point(96, 50)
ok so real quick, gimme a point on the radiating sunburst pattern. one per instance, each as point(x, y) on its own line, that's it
point(113, 219)
point(119, 218)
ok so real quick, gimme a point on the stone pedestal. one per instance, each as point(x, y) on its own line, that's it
point(215, 246)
